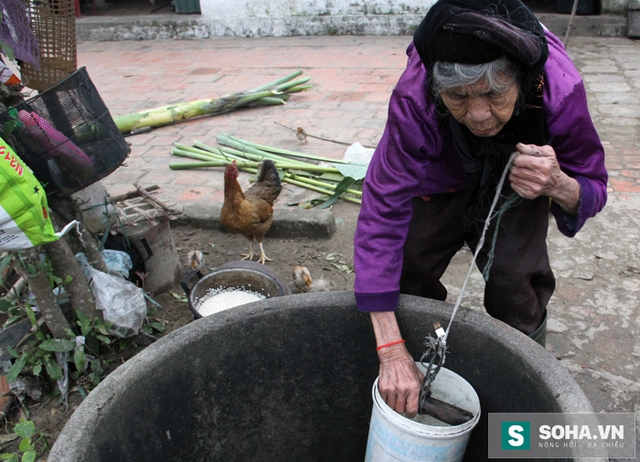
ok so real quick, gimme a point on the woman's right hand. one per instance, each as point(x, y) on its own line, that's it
point(400, 380)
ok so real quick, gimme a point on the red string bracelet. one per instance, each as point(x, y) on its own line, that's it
point(389, 344)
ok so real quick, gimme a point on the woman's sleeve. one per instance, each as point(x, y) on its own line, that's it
point(393, 178)
point(577, 145)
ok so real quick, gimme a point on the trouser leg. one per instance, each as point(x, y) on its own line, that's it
point(435, 235)
point(520, 280)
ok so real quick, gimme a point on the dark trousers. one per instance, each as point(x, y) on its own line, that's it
point(520, 280)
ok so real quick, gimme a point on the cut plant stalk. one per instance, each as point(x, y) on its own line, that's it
point(255, 155)
point(291, 178)
point(248, 150)
point(222, 161)
point(274, 93)
point(270, 149)
point(248, 155)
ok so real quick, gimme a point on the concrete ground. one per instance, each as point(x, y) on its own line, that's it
point(595, 313)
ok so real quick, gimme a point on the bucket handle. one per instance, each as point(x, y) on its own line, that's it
point(185, 280)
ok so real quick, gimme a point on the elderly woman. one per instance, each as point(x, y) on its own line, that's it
point(484, 79)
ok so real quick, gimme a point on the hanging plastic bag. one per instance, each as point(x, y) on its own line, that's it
point(117, 262)
point(122, 303)
point(24, 211)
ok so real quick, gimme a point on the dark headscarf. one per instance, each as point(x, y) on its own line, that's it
point(480, 31)
point(477, 32)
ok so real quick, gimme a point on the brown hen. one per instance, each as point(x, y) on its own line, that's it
point(250, 213)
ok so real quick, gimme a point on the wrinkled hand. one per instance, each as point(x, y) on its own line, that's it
point(400, 380)
point(536, 172)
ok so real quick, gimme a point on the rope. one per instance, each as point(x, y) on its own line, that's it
point(435, 354)
point(480, 242)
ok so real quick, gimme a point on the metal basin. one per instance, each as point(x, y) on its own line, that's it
point(248, 275)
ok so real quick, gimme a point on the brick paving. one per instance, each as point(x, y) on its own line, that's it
point(593, 327)
point(352, 78)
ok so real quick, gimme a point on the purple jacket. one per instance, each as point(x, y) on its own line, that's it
point(417, 158)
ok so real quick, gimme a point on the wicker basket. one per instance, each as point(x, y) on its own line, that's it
point(66, 135)
point(54, 26)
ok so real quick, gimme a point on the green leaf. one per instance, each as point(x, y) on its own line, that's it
point(29, 456)
point(5, 304)
point(12, 351)
point(81, 316)
point(80, 357)
point(340, 189)
point(31, 315)
point(57, 280)
point(25, 428)
point(104, 339)
point(102, 328)
point(13, 319)
point(159, 326)
point(17, 367)
point(37, 368)
point(9, 457)
point(25, 445)
point(58, 344)
point(53, 369)
point(357, 172)
point(181, 297)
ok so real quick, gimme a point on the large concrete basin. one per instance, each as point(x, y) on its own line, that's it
point(289, 379)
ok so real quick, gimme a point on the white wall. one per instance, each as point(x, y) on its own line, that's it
point(284, 8)
point(312, 17)
point(612, 6)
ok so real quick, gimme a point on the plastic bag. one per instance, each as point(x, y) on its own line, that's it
point(122, 303)
point(117, 262)
point(24, 211)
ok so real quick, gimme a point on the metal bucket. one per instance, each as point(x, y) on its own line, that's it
point(247, 275)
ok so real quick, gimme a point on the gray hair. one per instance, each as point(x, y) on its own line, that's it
point(499, 74)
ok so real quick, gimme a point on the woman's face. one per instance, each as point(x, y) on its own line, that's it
point(483, 111)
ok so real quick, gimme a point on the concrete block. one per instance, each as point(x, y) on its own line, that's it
point(163, 266)
point(289, 378)
point(287, 223)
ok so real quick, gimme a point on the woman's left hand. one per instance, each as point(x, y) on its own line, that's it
point(536, 172)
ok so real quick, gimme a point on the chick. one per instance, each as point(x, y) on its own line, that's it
point(301, 135)
point(302, 278)
point(195, 260)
